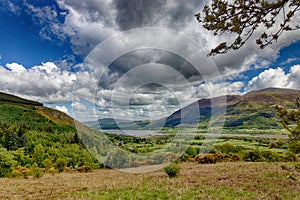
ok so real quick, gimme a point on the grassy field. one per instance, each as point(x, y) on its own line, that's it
point(239, 180)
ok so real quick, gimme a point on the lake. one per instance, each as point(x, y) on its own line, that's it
point(138, 133)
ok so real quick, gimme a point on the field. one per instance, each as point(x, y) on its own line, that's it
point(239, 180)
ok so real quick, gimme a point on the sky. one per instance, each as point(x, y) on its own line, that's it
point(130, 59)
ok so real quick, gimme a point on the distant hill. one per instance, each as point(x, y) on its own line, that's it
point(17, 100)
point(111, 123)
point(255, 109)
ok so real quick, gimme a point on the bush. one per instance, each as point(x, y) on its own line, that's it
point(192, 151)
point(60, 164)
point(209, 158)
point(235, 158)
point(253, 155)
point(291, 157)
point(84, 169)
point(269, 156)
point(35, 171)
point(20, 171)
point(6, 162)
point(172, 170)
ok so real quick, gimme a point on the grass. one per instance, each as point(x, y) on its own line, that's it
point(239, 180)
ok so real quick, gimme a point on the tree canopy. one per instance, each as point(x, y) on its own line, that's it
point(291, 121)
point(243, 18)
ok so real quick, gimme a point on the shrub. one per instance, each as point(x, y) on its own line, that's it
point(35, 171)
point(192, 151)
point(210, 158)
point(69, 169)
point(60, 164)
point(20, 171)
point(6, 162)
point(52, 170)
point(269, 156)
point(172, 170)
point(235, 158)
point(291, 157)
point(84, 169)
point(253, 155)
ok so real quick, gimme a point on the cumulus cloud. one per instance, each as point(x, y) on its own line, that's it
point(62, 109)
point(276, 78)
point(209, 90)
point(46, 83)
point(15, 67)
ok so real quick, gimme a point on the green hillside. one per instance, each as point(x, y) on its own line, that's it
point(17, 100)
point(34, 136)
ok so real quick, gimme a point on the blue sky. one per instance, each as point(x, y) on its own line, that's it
point(20, 41)
point(46, 48)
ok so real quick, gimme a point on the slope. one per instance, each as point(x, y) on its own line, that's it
point(34, 135)
point(252, 110)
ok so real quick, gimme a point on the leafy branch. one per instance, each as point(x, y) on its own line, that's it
point(244, 17)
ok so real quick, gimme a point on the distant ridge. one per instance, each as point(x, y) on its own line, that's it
point(18, 100)
point(255, 109)
point(251, 110)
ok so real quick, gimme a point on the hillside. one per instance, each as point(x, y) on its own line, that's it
point(255, 109)
point(32, 135)
point(35, 116)
point(17, 100)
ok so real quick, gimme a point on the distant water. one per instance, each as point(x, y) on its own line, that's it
point(138, 133)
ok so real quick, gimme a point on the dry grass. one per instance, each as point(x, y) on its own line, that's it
point(217, 181)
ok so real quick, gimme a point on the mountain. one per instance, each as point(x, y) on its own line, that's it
point(255, 109)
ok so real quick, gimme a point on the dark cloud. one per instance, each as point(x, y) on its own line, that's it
point(138, 13)
point(141, 13)
point(139, 57)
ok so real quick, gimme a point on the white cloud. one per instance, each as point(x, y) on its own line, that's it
point(62, 109)
point(209, 90)
point(294, 77)
point(78, 106)
point(15, 67)
point(46, 83)
point(276, 78)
